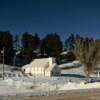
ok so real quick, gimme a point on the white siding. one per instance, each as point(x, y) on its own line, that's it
point(41, 67)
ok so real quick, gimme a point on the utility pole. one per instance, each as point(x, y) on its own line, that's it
point(3, 61)
point(14, 60)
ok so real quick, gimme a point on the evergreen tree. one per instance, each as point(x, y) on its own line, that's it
point(6, 42)
point(52, 45)
point(37, 40)
point(69, 43)
point(16, 41)
point(29, 43)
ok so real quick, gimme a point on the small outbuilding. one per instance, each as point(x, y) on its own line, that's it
point(42, 67)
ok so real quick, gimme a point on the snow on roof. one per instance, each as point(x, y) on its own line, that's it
point(39, 63)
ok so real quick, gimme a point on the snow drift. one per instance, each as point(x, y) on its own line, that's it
point(77, 86)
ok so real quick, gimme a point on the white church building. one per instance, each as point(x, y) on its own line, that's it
point(42, 67)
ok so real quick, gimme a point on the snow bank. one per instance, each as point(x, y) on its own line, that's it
point(66, 65)
point(77, 71)
point(46, 87)
point(70, 64)
point(82, 85)
point(20, 87)
point(19, 83)
point(9, 81)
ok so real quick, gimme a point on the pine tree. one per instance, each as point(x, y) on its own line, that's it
point(52, 45)
point(29, 44)
point(6, 42)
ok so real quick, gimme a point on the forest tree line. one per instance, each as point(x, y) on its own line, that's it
point(31, 46)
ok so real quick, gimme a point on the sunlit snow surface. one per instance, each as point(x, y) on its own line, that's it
point(10, 87)
point(20, 85)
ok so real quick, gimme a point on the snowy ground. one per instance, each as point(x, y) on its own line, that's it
point(29, 87)
point(17, 84)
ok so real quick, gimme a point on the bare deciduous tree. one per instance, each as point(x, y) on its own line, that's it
point(87, 51)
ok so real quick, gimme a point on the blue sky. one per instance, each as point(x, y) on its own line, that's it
point(46, 16)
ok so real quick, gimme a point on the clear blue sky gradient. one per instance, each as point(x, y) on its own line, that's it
point(45, 16)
